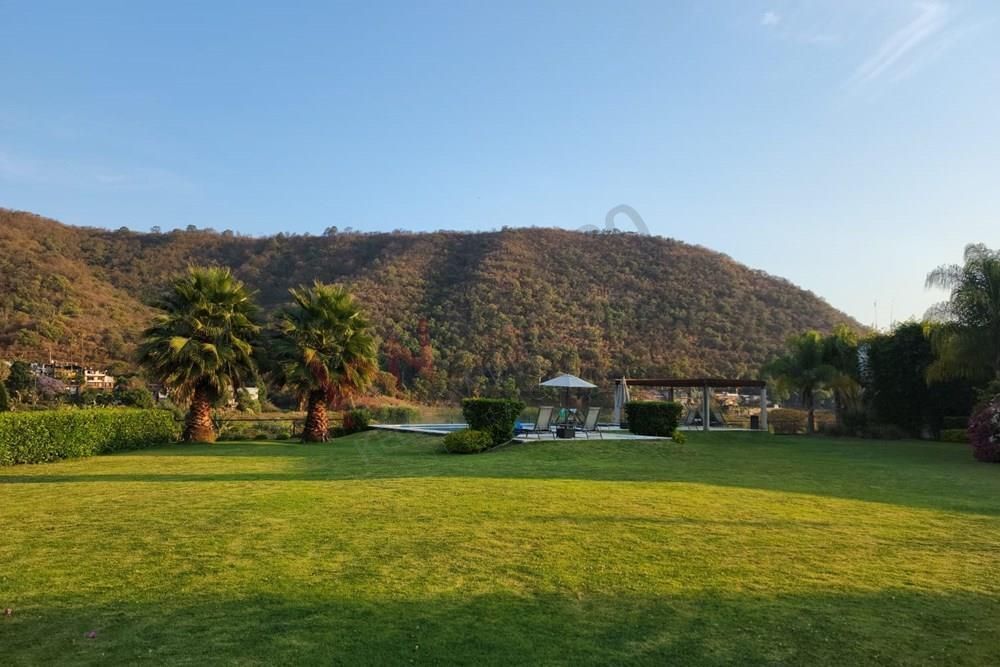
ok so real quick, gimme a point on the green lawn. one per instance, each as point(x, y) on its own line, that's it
point(379, 549)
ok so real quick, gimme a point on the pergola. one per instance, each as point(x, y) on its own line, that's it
point(705, 384)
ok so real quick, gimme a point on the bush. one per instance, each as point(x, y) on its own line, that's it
point(786, 422)
point(395, 414)
point(37, 437)
point(358, 419)
point(679, 437)
point(467, 441)
point(495, 416)
point(4, 399)
point(657, 418)
point(984, 432)
point(954, 435)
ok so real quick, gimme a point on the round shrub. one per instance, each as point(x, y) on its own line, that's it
point(467, 441)
point(495, 416)
point(984, 432)
point(786, 422)
point(657, 418)
point(679, 437)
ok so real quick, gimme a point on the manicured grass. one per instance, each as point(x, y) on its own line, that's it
point(378, 549)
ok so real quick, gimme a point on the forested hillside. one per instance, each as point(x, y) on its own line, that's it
point(457, 312)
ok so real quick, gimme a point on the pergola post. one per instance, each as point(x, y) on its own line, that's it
point(706, 414)
point(763, 408)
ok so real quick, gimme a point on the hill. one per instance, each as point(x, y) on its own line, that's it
point(457, 312)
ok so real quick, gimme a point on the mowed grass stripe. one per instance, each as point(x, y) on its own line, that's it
point(730, 548)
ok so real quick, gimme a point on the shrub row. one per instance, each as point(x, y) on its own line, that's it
point(37, 437)
point(395, 414)
point(657, 418)
point(495, 416)
point(786, 422)
point(955, 435)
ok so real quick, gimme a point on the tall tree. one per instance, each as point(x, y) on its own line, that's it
point(20, 381)
point(322, 347)
point(201, 345)
point(968, 340)
point(4, 399)
point(840, 351)
point(803, 369)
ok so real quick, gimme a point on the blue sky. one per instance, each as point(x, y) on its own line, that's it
point(847, 146)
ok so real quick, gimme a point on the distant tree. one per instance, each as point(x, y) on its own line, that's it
point(155, 229)
point(192, 228)
point(20, 381)
point(330, 231)
point(803, 369)
point(4, 399)
point(131, 396)
point(245, 402)
point(968, 341)
point(201, 345)
point(323, 349)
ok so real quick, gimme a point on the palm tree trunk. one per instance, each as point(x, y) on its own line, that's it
point(198, 426)
point(810, 413)
point(317, 427)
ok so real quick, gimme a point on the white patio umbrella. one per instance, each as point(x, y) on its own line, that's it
point(567, 382)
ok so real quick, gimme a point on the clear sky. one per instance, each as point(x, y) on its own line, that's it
point(848, 146)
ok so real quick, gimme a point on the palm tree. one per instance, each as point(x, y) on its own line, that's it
point(967, 336)
point(321, 347)
point(201, 345)
point(804, 369)
point(840, 351)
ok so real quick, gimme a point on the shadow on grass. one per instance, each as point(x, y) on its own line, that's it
point(919, 474)
point(895, 628)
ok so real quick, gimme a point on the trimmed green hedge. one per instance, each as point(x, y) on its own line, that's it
point(658, 418)
point(954, 435)
point(49, 435)
point(495, 416)
point(784, 421)
point(467, 442)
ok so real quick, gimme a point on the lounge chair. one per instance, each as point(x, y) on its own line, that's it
point(590, 423)
point(542, 423)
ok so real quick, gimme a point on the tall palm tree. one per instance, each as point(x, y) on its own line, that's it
point(201, 345)
point(804, 369)
point(967, 336)
point(321, 346)
point(840, 351)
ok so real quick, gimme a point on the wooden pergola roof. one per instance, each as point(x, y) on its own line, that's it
point(715, 383)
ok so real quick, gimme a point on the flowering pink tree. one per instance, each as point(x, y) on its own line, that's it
point(984, 432)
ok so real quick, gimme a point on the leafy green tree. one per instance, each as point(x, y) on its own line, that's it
point(968, 340)
point(20, 381)
point(4, 399)
point(803, 369)
point(323, 349)
point(201, 345)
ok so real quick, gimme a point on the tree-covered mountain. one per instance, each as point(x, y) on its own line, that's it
point(456, 312)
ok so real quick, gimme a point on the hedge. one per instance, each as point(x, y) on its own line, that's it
point(495, 416)
point(467, 441)
point(786, 422)
point(657, 418)
point(954, 435)
point(49, 435)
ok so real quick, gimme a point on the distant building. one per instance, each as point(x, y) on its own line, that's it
point(98, 380)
